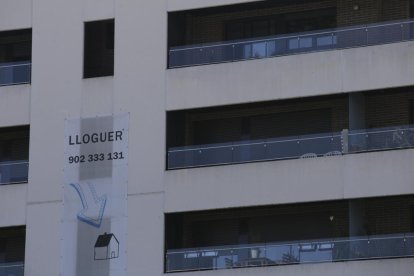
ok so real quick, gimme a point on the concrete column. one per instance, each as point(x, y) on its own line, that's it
point(357, 223)
point(356, 111)
point(356, 104)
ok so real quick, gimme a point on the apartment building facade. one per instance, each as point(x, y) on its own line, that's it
point(219, 137)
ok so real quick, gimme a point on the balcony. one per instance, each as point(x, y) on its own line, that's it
point(15, 72)
point(14, 172)
point(12, 248)
point(15, 57)
point(286, 234)
point(310, 127)
point(300, 252)
point(304, 146)
point(304, 42)
point(14, 155)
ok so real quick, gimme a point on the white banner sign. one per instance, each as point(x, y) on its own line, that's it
point(95, 196)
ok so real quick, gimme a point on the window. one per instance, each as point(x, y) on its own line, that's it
point(412, 8)
point(15, 56)
point(12, 247)
point(99, 49)
point(14, 154)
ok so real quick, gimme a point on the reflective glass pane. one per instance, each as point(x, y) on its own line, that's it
point(305, 42)
point(249, 151)
point(12, 172)
point(279, 149)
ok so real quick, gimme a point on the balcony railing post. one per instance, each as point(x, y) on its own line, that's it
point(345, 141)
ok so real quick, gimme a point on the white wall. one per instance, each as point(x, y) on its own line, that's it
point(143, 87)
point(59, 92)
point(140, 62)
point(15, 105)
point(288, 181)
point(13, 205)
point(15, 14)
point(302, 75)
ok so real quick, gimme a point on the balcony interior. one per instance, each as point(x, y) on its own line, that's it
point(295, 128)
point(279, 27)
point(14, 154)
point(15, 56)
point(341, 230)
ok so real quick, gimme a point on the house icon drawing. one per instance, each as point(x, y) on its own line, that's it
point(106, 247)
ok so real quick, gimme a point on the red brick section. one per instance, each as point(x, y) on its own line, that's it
point(370, 11)
point(210, 28)
point(388, 109)
point(337, 105)
point(390, 216)
point(383, 215)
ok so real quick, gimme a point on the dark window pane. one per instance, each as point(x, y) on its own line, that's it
point(99, 49)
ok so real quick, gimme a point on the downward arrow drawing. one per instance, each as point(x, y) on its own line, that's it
point(93, 206)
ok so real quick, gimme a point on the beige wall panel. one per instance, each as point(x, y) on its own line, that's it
point(15, 14)
point(56, 91)
point(15, 105)
point(145, 234)
point(290, 181)
point(140, 62)
point(43, 239)
point(98, 9)
point(97, 96)
point(13, 204)
point(301, 75)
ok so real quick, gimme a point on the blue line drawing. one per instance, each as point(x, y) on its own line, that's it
point(98, 202)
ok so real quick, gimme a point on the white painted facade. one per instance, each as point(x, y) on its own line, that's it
point(143, 87)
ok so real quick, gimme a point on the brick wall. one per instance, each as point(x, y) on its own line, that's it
point(337, 107)
point(210, 27)
point(389, 216)
point(384, 215)
point(267, 219)
point(388, 109)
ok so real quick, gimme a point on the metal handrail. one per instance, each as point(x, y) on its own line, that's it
point(10, 163)
point(291, 243)
point(254, 143)
point(378, 131)
point(11, 265)
point(297, 249)
point(15, 65)
point(406, 133)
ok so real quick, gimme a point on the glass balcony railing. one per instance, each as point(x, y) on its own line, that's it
point(304, 146)
point(381, 139)
point(340, 38)
point(12, 269)
point(15, 72)
point(14, 172)
point(268, 254)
